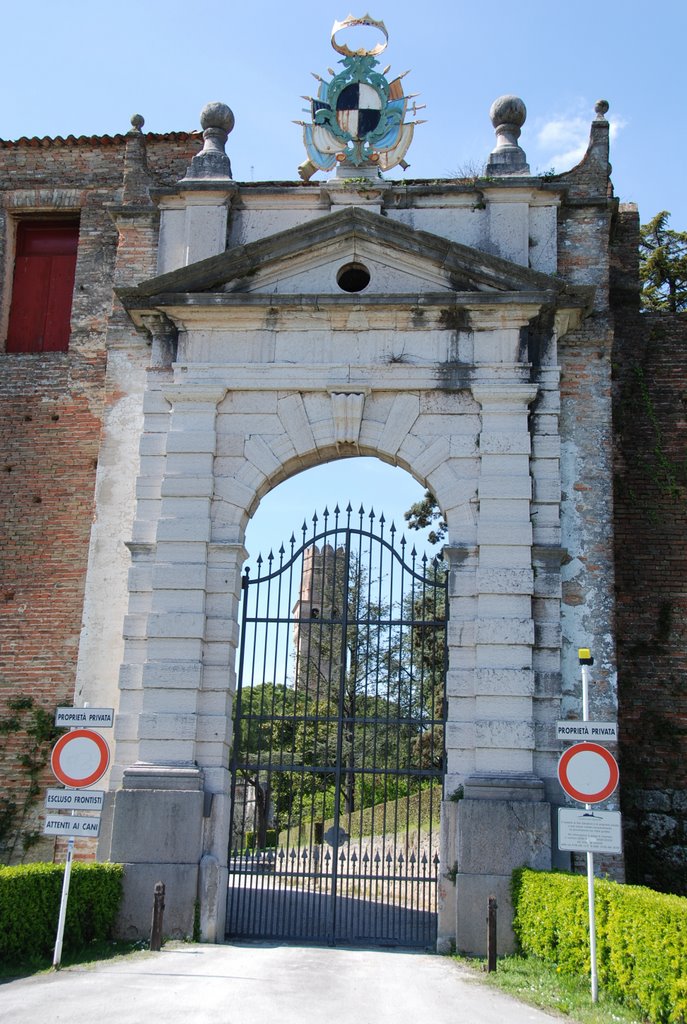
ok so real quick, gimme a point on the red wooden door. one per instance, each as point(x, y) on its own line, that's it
point(43, 284)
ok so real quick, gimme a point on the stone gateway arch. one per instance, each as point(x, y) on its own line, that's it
point(458, 329)
point(210, 338)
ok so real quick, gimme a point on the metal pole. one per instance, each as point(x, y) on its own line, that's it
point(592, 924)
point(586, 659)
point(491, 935)
point(63, 903)
point(158, 916)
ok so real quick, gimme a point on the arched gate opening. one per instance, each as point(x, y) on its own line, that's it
point(338, 754)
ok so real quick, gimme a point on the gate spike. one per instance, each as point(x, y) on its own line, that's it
point(403, 544)
point(389, 858)
point(270, 559)
point(326, 512)
point(361, 511)
point(393, 527)
point(435, 861)
point(292, 540)
point(382, 520)
point(371, 515)
point(282, 551)
point(315, 519)
point(348, 508)
point(304, 527)
point(424, 559)
point(259, 560)
point(413, 553)
point(336, 509)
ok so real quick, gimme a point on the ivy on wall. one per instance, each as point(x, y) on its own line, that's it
point(27, 735)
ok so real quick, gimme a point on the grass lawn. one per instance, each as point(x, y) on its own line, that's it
point(93, 953)
point(540, 984)
point(390, 817)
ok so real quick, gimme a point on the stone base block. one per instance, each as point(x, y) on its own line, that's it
point(446, 892)
point(136, 911)
point(158, 834)
point(472, 897)
point(214, 880)
point(157, 826)
point(495, 836)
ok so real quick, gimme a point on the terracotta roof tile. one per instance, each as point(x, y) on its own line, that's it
point(95, 140)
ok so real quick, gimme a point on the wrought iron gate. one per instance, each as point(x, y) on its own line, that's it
point(338, 752)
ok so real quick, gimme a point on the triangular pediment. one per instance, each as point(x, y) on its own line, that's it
point(303, 260)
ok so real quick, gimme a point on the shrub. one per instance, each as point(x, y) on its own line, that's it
point(641, 937)
point(270, 839)
point(30, 903)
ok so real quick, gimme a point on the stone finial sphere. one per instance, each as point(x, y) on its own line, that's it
point(601, 107)
point(508, 110)
point(217, 115)
point(137, 121)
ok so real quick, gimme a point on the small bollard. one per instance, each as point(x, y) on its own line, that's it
point(491, 935)
point(158, 915)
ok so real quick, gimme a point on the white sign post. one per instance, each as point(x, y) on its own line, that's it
point(79, 759)
point(588, 773)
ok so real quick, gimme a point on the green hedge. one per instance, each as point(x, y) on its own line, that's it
point(30, 903)
point(641, 937)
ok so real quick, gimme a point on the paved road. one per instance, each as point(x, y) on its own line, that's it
point(240, 983)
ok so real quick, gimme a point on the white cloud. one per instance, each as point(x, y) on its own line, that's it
point(562, 141)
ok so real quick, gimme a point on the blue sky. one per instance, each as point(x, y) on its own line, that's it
point(84, 66)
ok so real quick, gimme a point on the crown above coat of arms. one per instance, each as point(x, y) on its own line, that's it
point(358, 117)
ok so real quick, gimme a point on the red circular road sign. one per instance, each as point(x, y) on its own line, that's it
point(588, 772)
point(80, 758)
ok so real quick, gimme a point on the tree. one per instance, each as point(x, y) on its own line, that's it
point(423, 513)
point(663, 266)
point(422, 665)
point(337, 662)
point(266, 738)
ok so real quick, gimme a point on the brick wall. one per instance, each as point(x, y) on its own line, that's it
point(49, 436)
point(650, 423)
point(51, 414)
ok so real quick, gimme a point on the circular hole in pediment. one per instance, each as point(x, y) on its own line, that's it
point(353, 277)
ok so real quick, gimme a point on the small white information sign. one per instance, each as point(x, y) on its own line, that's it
point(600, 732)
point(77, 825)
point(91, 718)
point(74, 799)
point(587, 831)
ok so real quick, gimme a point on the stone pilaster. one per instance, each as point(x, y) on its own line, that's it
point(460, 680)
point(504, 686)
point(174, 724)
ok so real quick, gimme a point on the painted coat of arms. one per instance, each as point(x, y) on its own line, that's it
point(358, 117)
